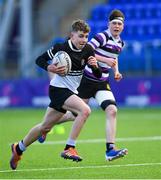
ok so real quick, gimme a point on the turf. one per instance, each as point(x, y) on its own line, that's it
point(139, 130)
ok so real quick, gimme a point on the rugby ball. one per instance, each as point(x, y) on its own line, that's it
point(62, 58)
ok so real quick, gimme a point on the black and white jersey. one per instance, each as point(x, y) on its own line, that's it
point(105, 45)
point(79, 60)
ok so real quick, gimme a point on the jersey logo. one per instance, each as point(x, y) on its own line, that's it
point(82, 62)
point(108, 87)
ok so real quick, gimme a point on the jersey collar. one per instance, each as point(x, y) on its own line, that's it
point(71, 46)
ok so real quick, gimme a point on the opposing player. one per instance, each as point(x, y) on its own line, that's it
point(107, 46)
point(62, 92)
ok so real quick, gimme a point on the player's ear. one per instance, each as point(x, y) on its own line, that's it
point(71, 34)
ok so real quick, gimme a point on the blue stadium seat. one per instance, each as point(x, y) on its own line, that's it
point(98, 11)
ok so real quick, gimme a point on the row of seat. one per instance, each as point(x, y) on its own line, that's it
point(140, 57)
point(139, 11)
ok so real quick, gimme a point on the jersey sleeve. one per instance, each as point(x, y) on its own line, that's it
point(95, 70)
point(43, 60)
point(53, 50)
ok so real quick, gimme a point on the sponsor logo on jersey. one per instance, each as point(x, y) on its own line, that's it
point(83, 62)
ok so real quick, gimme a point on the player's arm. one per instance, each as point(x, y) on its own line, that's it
point(92, 63)
point(117, 74)
point(109, 61)
point(43, 62)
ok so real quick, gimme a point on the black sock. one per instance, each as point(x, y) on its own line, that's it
point(109, 146)
point(68, 146)
point(18, 150)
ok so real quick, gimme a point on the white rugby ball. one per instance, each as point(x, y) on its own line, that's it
point(62, 58)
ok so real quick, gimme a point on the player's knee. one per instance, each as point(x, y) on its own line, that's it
point(111, 110)
point(85, 112)
point(110, 107)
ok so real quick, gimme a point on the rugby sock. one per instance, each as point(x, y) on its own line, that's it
point(70, 143)
point(20, 148)
point(68, 146)
point(109, 146)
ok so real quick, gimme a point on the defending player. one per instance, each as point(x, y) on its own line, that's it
point(62, 92)
point(107, 46)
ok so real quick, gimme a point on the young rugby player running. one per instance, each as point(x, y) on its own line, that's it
point(107, 46)
point(62, 91)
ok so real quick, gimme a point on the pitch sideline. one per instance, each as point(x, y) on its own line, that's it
point(129, 139)
point(83, 167)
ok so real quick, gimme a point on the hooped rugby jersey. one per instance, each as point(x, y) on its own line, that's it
point(105, 45)
point(79, 60)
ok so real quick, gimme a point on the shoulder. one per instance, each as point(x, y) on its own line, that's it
point(106, 34)
point(88, 50)
point(88, 47)
point(101, 38)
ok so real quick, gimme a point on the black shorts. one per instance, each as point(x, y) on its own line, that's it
point(58, 96)
point(88, 88)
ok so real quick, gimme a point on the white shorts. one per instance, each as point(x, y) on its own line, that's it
point(104, 95)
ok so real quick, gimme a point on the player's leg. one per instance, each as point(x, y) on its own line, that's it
point(70, 116)
point(107, 101)
point(51, 117)
point(76, 105)
point(111, 121)
point(84, 93)
point(53, 114)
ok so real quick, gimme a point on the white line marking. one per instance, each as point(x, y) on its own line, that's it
point(82, 167)
point(130, 139)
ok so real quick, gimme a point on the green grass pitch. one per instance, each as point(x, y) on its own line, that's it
point(139, 130)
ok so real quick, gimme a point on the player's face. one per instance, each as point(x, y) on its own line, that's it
point(116, 27)
point(79, 39)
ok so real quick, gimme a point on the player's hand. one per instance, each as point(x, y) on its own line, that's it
point(54, 69)
point(92, 61)
point(111, 62)
point(118, 76)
